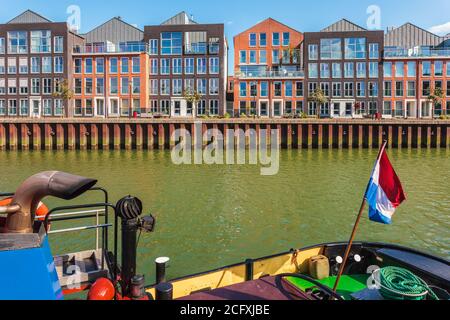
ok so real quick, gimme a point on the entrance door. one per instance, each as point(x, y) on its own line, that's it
point(36, 108)
point(411, 109)
point(425, 109)
point(177, 108)
point(100, 107)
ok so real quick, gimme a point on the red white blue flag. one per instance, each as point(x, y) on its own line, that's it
point(385, 192)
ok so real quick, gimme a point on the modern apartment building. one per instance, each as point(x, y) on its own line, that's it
point(344, 60)
point(187, 58)
point(35, 58)
point(111, 72)
point(415, 63)
point(268, 75)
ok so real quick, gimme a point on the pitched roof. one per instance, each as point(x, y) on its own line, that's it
point(29, 16)
point(342, 26)
point(114, 30)
point(409, 36)
point(265, 21)
point(179, 19)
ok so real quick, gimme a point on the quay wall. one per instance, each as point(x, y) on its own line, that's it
point(148, 134)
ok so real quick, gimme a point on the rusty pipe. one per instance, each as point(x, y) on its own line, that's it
point(23, 206)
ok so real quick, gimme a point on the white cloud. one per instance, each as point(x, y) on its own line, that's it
point(442, 29)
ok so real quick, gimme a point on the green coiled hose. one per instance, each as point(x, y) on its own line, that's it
point(401, 284)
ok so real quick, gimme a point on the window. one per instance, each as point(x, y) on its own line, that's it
point(252, 56)
point(41, 41)
point(46, 64)
point(330, 49)
point(288, 89)
point(262, 39)
point(124, 65)
point(113, 85)
point(277, 108)
point(275, 56)
point(348, 89)
point(387, 90)
point(177, 87)
point(189, 66)
point(59, 64)
point(100, 86)
point(214, 86)
point(12, 65)
point(88, 85)
point(171, 43)
point(288, 107)
point(154, 87)
point(262, 56)
point(426, 88)
point(264, 89)
point(373, 107)
point(17, 42)
point(448, 68)
point(426, 68)
point(399, 72)
point(286, 39)
point(12, 107)
point(201, 107)
point(136, 64)
point(312, 108)
point(355, 48)
point(189, 85)
point(411, 89)
point(2, 65)
point(24, 110)
point(337, 89)
point(336, 70)
point(214, 107)
point(373, 89)
point(23, 65)
point(360, 89)
point(313, 52)
point(312, 86)
point(411, 66)
point(47, 86)
point(177, 66)
point(374, 52)
point(12, 86)
point(387, 108)
point(2, 86)
point(253, 89)
point(58, 44)
point(373, 69)
point(324, 70)
point(78, 86)
point(312, 70)
point(349, 70)
point(438, 68)
point(165, 87)
point(398, 112)
point(2, 45)
point(153, 47)
point(243, 89)
point(165, 66)
point(277, 89)
point(77, 65)
point(214, 65)
point(387, 69)
point(276, 39)
point(201, 65)
point(23, 86)
point(124, 85)
point(361, 70)
point(299, 89)
point(252, 40)
point(100, 65)
point(113, 65)
point(36, 85)
point(399, 88)
point(243, 56)
point(325, 87)
point(136, 83)
point(201, 86)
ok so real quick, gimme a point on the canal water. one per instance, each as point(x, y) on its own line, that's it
point(210, 216)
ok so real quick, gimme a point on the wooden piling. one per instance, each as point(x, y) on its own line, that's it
point(150, 137)
point(36, 136)
point(94, 137)
point(24, 136)
point(128, 137)
point(59, 136)
point(161, 136)
point(320, 136)
point(139, 136)
point(116, 134)
point(13, 143)
point(2, 137)
point(310, 136)
point(105, 136)
point(350, 137)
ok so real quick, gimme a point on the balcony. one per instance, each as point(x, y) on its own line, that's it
point(416, 53)
point(110, 48)
point(282, 74)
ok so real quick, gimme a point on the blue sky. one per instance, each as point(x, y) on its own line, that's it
point(238, 15)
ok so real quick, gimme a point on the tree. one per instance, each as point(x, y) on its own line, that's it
point(319, 98)
point(193, 97)
point(436, 97)
point(64, 92)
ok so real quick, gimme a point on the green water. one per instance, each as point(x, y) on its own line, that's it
point(210, 216)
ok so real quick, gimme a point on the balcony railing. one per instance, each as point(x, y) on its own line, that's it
point(202, 48)
point(110, 48)
point(271, 74)
point(416, 53)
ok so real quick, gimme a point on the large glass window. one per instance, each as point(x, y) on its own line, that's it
point(288, 89)
point(58, 44)
point(276, 39)
point(59, 64)
point(46, 64)
point(337, 70)
point(264, 89)
point(275, 56)
point(41, 41)
point(349, 70)
point(113, 65)
point(387, 69)
point(243, 89)
point(411, 65)
point(373, 69)
point(355, 48)
point(214, 66)
point(262, 56)
point(252, 56)
point(399, 69)
point(361, 70)
point(136, 64)
point(165, 66)
point(124, 65)
point(313, 71)
point(374, 51)
point(426, 68)
point(330, 49)
point(189, 67)
point(243, 56)
point(252, 40)
point(17, 42)
point(177, 66)
point(171, 42)
point(324, 70)
point(88, 65)
point(313, 52)
point(201, 65)
point(438, 68)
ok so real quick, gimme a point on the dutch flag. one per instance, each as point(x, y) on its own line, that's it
point(384, 192)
